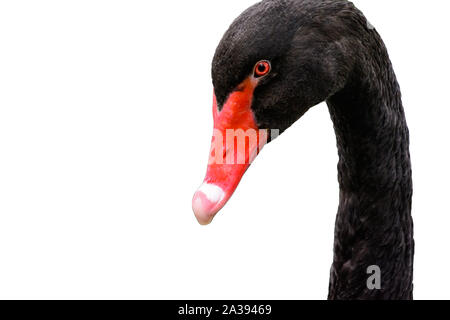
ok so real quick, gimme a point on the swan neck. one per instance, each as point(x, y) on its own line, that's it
point(374, 225)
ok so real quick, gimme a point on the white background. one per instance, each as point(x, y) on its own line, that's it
point(105, 124)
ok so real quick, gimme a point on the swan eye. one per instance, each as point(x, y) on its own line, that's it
point(262, 68)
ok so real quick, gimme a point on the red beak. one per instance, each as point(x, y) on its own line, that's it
point(236, 142)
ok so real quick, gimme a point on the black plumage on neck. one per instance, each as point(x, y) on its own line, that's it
point(374, 224)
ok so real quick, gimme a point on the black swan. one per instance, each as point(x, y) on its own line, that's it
point(278, 59)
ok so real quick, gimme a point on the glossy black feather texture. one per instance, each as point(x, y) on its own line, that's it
point(325, 50)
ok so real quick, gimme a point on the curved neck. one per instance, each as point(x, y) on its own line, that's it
point(374, 224)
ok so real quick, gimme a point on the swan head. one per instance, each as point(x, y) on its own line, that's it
point(277, 60)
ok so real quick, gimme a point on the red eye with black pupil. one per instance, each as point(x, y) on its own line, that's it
point(262, 68)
